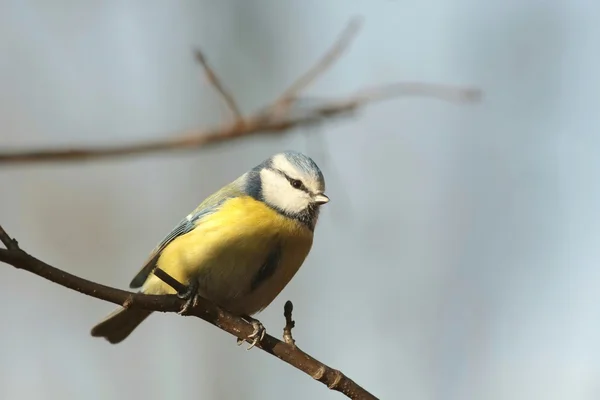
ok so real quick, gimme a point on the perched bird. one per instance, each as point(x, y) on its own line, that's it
point(240, 247)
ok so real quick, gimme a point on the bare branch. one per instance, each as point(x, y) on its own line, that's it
point(204, 309)
point(190, 141)
point(274, 118)
point(216, 82)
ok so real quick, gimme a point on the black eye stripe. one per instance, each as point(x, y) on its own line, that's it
point(295, 183)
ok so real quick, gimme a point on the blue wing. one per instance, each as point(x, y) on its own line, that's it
point(208, 206)
point(185, 225)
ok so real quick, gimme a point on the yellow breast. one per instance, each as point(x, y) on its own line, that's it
point(227, 250)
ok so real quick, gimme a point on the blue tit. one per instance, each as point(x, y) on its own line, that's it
point(240, 247)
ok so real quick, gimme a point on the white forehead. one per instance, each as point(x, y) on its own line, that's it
point(281, 162)
point(302, 168)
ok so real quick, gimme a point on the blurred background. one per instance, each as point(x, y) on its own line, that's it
point(458, 258)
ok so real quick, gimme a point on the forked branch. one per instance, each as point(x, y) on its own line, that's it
point(282, 114)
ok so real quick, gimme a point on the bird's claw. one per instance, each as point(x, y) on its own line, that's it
point(256, 336)
point(191, 297)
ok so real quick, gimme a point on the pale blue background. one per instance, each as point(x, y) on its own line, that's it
point(458, 258)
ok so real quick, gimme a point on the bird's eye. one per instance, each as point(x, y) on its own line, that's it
point(296, 183)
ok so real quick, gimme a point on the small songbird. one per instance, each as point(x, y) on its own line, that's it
point(240, 247)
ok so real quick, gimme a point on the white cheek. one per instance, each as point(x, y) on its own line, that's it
point(278, 192)
point(292, 200)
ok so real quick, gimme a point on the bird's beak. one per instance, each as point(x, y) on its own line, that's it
point(321, 199)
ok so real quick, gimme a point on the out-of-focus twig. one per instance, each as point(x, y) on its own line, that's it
point(216, 82)
point(337, 49)
point(202, 308)
point(280, 115)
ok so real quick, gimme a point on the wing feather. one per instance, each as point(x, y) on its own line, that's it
point(210, 205)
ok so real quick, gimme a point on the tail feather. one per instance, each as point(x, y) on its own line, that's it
point(119, 324)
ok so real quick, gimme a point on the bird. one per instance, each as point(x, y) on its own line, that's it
point(239, 248)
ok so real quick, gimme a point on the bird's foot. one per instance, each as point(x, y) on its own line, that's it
point(191, 297)
point(257, 335)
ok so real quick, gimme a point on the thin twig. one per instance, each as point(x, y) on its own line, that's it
point(276, 117)
point(451, 93)
point(10, 243)
point(169, 280)
point(289, 324)
point(331, 107)
point(216, 82)
point(203, 309)
point(339, 46)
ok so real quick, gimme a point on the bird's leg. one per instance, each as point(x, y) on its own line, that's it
point(257, 335)
point(191, 297)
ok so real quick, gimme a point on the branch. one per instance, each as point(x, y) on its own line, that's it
point(278, 116)
point(204, 309)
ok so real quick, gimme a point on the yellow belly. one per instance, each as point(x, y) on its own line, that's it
point(226, 251)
